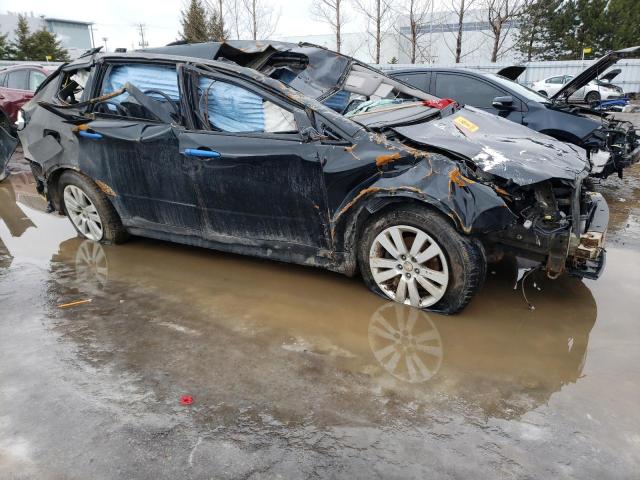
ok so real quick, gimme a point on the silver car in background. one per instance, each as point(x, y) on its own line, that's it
point(595, 90)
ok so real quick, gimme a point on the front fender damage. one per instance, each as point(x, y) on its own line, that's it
point(435, 181)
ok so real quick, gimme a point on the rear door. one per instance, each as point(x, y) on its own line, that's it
point(132, 146)
point(258, 182)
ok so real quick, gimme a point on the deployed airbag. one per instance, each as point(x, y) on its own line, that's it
point(230, 108)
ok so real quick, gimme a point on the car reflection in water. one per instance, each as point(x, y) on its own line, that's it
point(499, 356)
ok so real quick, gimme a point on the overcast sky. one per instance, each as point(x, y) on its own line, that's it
point(116, 19)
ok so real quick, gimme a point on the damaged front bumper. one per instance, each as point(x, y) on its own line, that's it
point(588, 256)
point(573, 243)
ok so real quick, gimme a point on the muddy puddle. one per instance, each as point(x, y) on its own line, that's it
point(276, 354)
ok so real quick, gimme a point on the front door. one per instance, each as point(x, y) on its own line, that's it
point(258, 182)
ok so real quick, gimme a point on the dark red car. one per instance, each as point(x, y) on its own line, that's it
point(17, 84)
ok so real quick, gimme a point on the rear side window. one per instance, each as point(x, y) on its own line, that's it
point(466, 90)
point(419, 80)
point(18, 79)
point(35, 79)
point(555, 80)
point(3, 79)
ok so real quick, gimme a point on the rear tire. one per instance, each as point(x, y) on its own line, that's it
point(442, 273)
point(89, 210)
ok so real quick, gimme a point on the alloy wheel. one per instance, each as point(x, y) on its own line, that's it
point(409, 266)
point(82, 213)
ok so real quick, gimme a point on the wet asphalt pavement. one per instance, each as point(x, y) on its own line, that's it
point(301, 373)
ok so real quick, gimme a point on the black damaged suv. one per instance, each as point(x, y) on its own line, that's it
point(300, 154)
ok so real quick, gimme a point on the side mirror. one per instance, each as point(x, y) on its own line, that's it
point(503, 103)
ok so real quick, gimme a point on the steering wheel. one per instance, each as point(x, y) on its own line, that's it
point(120, 109)
point(167, 98)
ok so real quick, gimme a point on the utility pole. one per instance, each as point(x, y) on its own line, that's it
point(104, 39)
point(143, 43)
point(93, 43)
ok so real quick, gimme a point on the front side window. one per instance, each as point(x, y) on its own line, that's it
point(555, 80)
point(226, 107)
point(466, 90)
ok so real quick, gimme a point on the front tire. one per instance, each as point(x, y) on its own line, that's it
point(89, 210)
point(592, 97)
point(414, 256)
point(543, 93)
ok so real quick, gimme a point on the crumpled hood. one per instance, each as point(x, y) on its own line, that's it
point(500, 147)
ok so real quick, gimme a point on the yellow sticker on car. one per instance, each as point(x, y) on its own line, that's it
point(467, 124)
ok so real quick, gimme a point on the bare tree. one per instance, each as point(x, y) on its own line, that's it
point(235, 10)
point(501, 15)
point(331, 12)
point(460, 8)
point(416, 13)
point(262, 19)
point(379, 14)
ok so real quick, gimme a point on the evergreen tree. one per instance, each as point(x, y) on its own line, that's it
point(35, 46)
point(215, 27)
point(44, 44)
point(21, 46)
point(534, 36)
point(5, 48)
point(195, 27)
point(561, 29)
point(624, 15)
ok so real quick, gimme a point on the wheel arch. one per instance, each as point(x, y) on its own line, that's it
point(348, 227)
point(53, 186)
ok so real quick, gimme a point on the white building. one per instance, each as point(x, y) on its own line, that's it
point(74, 36)
point(436, 43)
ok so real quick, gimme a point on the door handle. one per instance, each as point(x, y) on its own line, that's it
point(196, 152)
point(91, 135)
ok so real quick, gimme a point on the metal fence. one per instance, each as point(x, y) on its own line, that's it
point(629, 78)
point(8, 63)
